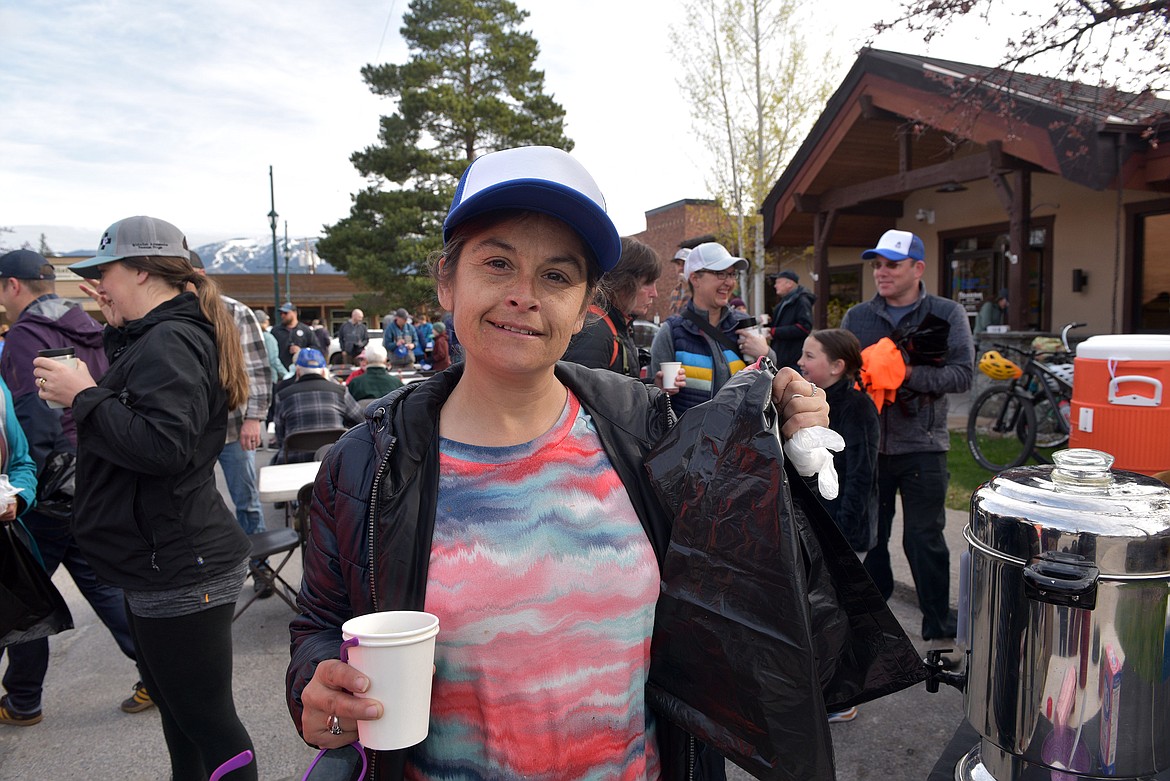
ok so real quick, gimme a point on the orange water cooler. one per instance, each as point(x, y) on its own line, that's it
point(1121, 400)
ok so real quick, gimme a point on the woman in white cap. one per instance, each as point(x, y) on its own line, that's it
point(707, 337)
point(147, 513)
point(507, 496)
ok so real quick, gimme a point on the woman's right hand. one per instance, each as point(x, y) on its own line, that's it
point(104, 303)
point(331, 693)
point(680, 382)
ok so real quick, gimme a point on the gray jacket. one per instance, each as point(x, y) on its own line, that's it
point(917, 420)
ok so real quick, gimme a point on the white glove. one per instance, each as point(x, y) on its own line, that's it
point(808, 450)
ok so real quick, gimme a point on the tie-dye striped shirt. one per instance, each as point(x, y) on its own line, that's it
point(544, 584)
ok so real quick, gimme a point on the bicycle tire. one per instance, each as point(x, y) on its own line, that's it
point(1050, 434)
point(1001, 429)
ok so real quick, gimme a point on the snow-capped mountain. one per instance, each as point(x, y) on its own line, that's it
point(254, 256)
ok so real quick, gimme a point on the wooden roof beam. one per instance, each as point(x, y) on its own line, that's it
point(871, 111)
point(965, 169)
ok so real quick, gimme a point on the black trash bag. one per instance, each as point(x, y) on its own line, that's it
point(925, 344)
point(766, 620)
point(55, 485)
point(31, 607)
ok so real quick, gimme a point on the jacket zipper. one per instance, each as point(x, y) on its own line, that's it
point(690, 758)
point(373, 521)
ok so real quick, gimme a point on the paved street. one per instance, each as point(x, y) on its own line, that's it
point(85, 736)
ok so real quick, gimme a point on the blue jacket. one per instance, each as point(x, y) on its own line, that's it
point(392, 333)
point(917, 421)
point(20, 468)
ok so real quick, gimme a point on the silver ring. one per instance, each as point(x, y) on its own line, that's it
point(814, 389)
point(335, 725)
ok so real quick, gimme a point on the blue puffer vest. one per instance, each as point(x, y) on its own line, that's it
point(705, 372)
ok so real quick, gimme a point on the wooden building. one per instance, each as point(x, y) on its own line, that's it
point(1055, 190)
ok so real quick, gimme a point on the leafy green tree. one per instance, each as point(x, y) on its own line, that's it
point(755, 90)
point(469, 87)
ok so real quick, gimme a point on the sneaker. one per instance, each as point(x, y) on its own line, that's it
point(9, 716)
point(843, 715)
point(138, 701)
point(262, 589)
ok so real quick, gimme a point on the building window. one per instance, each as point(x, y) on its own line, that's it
point(844, 292)
point(977, 268)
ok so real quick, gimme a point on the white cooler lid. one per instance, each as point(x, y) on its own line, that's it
point(1126, 347)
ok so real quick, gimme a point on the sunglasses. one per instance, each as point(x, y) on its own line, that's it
point(720, 275)
point(876, 264)
point(347, 763)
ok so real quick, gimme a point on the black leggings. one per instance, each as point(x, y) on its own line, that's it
point(186, 665)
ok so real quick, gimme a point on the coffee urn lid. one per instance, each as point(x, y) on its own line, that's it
point(1118, 520)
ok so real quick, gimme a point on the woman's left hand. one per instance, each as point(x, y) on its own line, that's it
point(752, 343)
point(801, 403)
point(58, 382)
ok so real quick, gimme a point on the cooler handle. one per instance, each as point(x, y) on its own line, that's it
point(1062, 579)
point(1134, 400)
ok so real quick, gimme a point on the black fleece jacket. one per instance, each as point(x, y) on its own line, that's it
point(147, 513)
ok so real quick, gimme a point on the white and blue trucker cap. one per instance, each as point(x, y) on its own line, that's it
point(135, 237)
point(540, 179)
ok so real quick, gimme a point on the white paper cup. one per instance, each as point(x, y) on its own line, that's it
point(396, 651)
point(66, 356)
point(669, 372)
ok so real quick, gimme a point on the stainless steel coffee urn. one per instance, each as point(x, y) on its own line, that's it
point(1068, 673)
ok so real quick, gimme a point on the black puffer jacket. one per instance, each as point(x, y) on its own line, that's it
point(147, 513)
point(377, 489)
point(791, 323)
point(853, 416)
point(606, 343)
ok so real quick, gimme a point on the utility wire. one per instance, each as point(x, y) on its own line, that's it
point(385, 28)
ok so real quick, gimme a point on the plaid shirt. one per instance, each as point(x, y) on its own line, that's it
point(314, 402)
point(679, 296)
point(255, 364)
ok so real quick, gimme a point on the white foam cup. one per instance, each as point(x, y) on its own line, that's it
point(669, 372)
point(396, 651)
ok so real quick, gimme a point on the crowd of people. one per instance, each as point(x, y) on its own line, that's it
point(543, 393)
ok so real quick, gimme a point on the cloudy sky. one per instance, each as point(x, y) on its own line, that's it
point(176, 109)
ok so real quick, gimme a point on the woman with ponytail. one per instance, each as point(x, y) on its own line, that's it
point(147, 513)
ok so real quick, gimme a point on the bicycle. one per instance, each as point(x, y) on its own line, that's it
point(1027, 418)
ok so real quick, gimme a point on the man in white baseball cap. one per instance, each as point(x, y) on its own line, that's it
point(681, 293)
point(912, 457)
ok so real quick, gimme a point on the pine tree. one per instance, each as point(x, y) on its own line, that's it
point(468, 88)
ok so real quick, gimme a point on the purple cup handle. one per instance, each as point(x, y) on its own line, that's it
point(345, 646)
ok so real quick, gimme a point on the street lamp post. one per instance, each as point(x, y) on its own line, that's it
point(287, 284)
point(272, 215)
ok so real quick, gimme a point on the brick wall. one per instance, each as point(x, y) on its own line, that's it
point(677, 223)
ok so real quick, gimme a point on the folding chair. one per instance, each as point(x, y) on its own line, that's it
point(305, 443)
point(268, 544)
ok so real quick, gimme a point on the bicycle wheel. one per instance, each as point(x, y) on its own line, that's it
point(1050, 433)
point(1001, 429)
